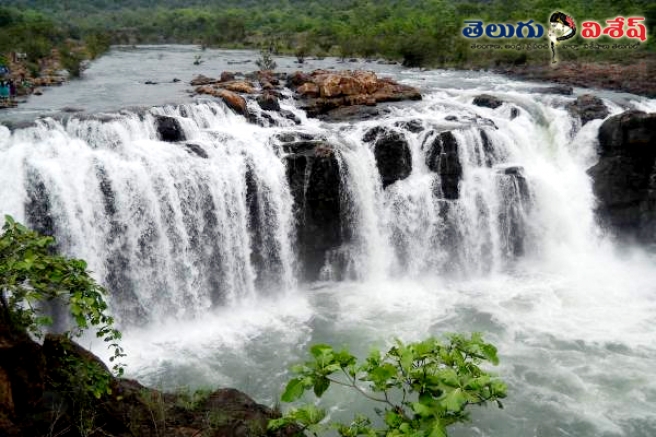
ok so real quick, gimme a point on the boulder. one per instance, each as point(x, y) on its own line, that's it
point(169, 129)
point(268, 101)
point(202, 80)
point(563, 90)
point(238, 86)
point(624, 179)
point(587, 108)
point(227, 76)
point(487, 101)
point(313, 174)
point(414, 126)
point(443, 159)
point(195, 149)
point(324, 90)
point(234, 101)
point(393, 157)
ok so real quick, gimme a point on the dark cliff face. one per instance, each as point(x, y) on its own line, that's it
point(624, 179)
point(40, 395)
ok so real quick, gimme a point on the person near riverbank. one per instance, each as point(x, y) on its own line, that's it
point(5, 95)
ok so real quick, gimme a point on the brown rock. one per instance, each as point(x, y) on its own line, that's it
point(234, 101)
point(238, 87)
point(202, 80)
point(309, 89)
point(227, 76)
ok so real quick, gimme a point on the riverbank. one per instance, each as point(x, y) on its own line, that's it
point(635, 78)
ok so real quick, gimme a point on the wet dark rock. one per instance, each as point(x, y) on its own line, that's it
point(43, 392)
point(414, 126)
point(624, 179)
point(169, 129)
point(350, 113)
point(514, 209)
point(451, 118)
point(195, 149)
point(514, 113)
point(587, 108)
point(487, 101)
point(563, 90)
point(373, 133)
point(313, 174)
point(393, 157)
point(442, 158)
point(150, 82)
point(175, 80)
point(268, 101)
point(289, 115)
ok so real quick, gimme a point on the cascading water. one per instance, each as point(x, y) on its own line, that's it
point(205, 245)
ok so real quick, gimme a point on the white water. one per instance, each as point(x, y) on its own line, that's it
point(574, 317)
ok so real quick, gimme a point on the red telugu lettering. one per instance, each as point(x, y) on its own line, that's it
point(637, 31)
point(591, 29)
point(615, 28)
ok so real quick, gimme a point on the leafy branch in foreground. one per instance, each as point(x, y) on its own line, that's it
point(32, 274)
point(424, 387)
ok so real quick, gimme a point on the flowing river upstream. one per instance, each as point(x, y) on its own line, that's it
point(208, 288)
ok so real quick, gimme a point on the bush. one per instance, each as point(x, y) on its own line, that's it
point(424, 387)
point(32, 274)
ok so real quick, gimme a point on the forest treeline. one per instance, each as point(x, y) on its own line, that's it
point(419, 32)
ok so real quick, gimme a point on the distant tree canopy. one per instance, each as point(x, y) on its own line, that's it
point(422, 32)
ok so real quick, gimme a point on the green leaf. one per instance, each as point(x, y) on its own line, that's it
point(455, 400)
point(320, 349)
point(438, 431)
point(320, 386)
point(293, 391)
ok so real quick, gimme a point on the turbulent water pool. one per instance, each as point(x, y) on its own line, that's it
point(520, 259)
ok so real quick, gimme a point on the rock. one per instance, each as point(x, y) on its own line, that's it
point(37, 92)
point(414, 126)
point(451, 118)
point(175, 80)
point(195, 149)
point(313, 174)
point(564, 90)
point(268, 101)
point(227, 76)
point(238, 87)
point(514, 113)
point(289, 115)
point(324, 90)
point(487, 101)
point(297, 79)
point(624, 179)
point(308, 90)
point(234, 101)
point(373, 133)
point(393, 157)
point(169, 129)
point(202, 80)
point(150, 82)
point(443, 159)
point(587, 108)
point(43, 391)
point(349, 113)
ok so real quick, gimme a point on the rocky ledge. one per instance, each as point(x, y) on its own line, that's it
point(624, 179)
point(330, 95)
point(43, 394)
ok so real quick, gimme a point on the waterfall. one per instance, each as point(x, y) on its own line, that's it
point(230, 210)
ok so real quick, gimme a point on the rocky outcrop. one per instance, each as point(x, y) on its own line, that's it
point(43, 392)
point(238, 86)
point(313, 174)
point(624, 179)
point(392, 153)
point(268, 101)
point(202, 80)
point(323, 91)
point(442, 158)
point(234, 101)
point(487, 101)
point(587, 108)
point(169, 129)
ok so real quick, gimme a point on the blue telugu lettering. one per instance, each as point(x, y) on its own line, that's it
point(474, 29)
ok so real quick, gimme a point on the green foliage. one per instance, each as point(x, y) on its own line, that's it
point(265, 61)
point(71, 60)
point(32, 275)
point(424, 386)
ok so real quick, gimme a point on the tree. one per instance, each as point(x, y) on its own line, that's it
point(424, 386)
point(32, 275)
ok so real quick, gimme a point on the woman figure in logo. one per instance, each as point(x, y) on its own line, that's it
point(561, 27)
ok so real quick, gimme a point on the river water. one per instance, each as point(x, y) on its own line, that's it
point(572, 314)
